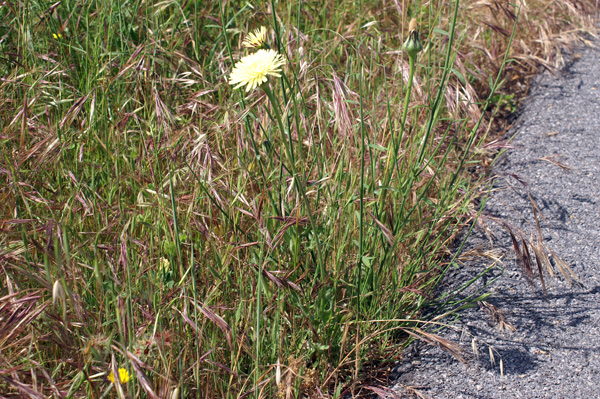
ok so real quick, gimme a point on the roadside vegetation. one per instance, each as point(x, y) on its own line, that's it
point(165, 234)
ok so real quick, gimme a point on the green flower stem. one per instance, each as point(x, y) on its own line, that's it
point(395, 145)
point(299, 184)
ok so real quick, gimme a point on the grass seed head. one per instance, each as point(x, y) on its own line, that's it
point(58, 292)
point(278, 373)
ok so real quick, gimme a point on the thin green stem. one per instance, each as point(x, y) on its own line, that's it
point(395, 145)
point(292, 167)
point(359, 261)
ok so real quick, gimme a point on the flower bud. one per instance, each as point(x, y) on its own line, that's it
point(413, 44)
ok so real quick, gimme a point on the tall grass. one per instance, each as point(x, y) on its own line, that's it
point(204, 247)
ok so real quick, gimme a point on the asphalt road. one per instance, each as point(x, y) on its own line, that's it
point(555, 350)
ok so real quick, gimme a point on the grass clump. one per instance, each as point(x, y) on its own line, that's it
point(202, 241)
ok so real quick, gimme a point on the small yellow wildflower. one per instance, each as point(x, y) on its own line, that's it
point(256, 38)
point(123, 376)
point(57, 36)
point(254, 69)
point(164, 265)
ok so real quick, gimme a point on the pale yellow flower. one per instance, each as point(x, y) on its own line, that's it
point(256, 38)
point(254, 69)
point(123, 376)
point(164, 265)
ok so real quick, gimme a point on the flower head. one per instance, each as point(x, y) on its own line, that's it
point(254, 69)
point(123, 376)
point(164, 265)
point(57, 35)
point(256, 38)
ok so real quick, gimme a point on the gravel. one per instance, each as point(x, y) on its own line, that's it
point(555, 350)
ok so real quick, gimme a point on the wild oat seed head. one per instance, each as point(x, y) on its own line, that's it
point(278, 373)
point(58, 292)
point(255, 39)
point(123, 376)
point(254, 69)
